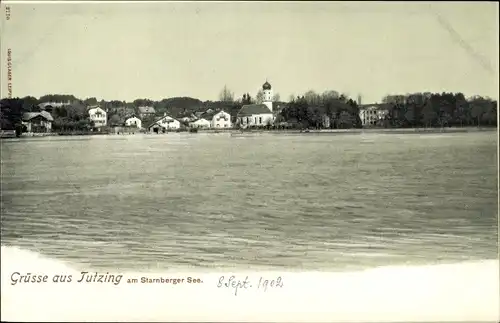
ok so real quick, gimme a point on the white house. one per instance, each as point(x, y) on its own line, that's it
point(371, 114)
point(133, 122)
point(221, 120)
point(200, 123)
point(189, 119)
point(98, 116)
point(254, 115)
point(164, 123)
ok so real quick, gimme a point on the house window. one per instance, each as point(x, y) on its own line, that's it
point(247, 120)
point(260, 119)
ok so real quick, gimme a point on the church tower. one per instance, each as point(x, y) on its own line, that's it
point(268, 95)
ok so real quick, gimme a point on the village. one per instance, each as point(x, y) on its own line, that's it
point(311, 111)
point(145, 119)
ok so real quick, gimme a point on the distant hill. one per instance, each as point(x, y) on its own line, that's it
point(179, 106)
point(230, 107)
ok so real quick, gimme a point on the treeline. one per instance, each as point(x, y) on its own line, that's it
point(329, 110)
point(334, 110)
point(71, 117)
point(439, 110)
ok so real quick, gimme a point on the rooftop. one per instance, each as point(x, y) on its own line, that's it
point(377, 106)
point(146, 110)
point(53, 104)
point(251, 109)
point(44, 114)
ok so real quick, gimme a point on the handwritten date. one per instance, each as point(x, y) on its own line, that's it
point(236, 284)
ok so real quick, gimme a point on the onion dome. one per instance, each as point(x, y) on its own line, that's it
point(266, 86)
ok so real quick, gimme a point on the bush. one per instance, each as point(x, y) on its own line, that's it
point(19, 129)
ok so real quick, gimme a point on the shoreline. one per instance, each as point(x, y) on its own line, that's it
point(8, 135)
point(396, 130)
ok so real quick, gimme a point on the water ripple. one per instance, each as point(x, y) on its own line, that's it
point(304, 202)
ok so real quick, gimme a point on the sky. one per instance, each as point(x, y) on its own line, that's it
point(155, 50)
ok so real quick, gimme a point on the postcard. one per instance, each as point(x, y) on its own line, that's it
point(287, 161)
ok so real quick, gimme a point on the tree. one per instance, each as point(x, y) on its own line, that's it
point(30, 103)
point(226, 95)
point(59, 112)
point(394, 99)
point(462, 109)
point(276, 97)
point(312, 98)
point(329, 96)
point(90, 101)
point(445, 108)
point(115, 120)
point(76, 111)
point(259, 98)
point(428, 114)
point(12, 112)
point(247, 99)
point(410, 114)
point(478, 108)
point(143, 103)
point(19, 129)
point(490, 115)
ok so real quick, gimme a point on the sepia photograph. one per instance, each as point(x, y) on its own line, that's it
point(181, 160)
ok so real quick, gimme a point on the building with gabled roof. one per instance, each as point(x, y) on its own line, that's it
point(221, 119)
point(37, 121)
point(254, 115)
point(200, 123)
point(98, 116)
point(259, 114)
point(133, 121)
point(145, 111)
point(164, 124)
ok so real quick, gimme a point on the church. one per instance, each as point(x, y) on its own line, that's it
point(258, 114)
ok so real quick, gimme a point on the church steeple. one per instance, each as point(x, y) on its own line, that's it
point(268, 95)
point(266, 86)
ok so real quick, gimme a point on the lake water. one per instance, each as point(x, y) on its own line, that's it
point(301, 202)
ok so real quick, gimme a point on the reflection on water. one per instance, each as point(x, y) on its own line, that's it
point(302, 202)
